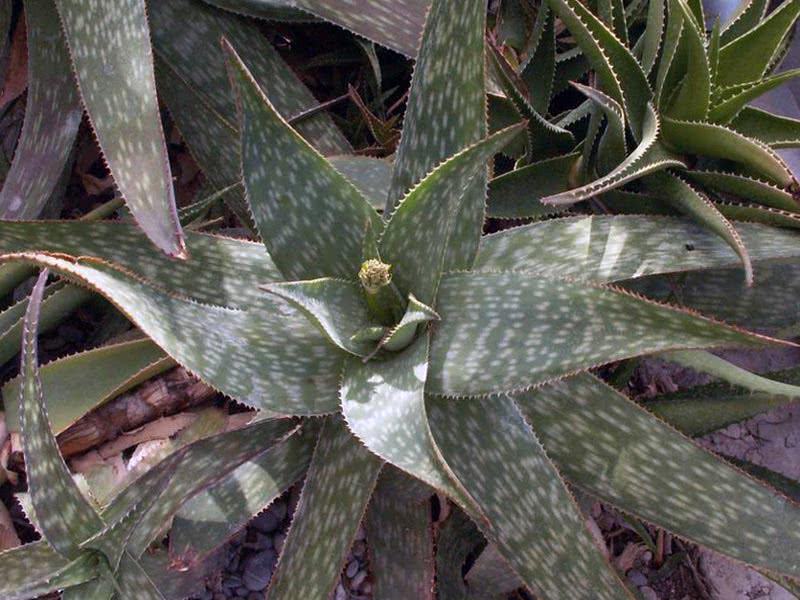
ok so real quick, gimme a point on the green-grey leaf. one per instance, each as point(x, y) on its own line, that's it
point(400, 534)
point(267, 356)
point(746, 16)
point(372, 176)
point(384, 406)
point(338, 486)
point(702, 409)
point(691, 101)
point(113, 63)
point(539, 69)
point(747, 188)
point(716, 141)
point(458, 538)
point(422, 230)
point(272, 10)
point(402, 334)
point(211, 517)
point(610, 447)
point(747, 57)
point(335, 306)
point(540, 531)
point(74, 385)
point(65, 516)
point(52, 117)
point(35, 569)
point(736, 98)
point(605, 249)
point(301, 195)
point(134, 582)
point(653, 34)
point(774, 130)
point(493, 327)
point(611, 150)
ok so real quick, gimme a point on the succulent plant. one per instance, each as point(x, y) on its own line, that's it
point(390, 349)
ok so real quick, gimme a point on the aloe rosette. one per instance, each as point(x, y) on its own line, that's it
point(393, 352)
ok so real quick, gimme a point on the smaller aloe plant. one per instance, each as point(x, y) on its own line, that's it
point(400, 353)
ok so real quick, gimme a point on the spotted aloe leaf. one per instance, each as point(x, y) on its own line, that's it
point(293, 370)
point(541, 533)
point(191, 77)
point(52, 117)
point(423, 228)
point(747, 57)
point(400, 534)
point(66, 518)
point(686, 199)
point(458, 538)
point(720, 142)
point(35, 569)
point(403, 333)
point(471, 358)
point(384, 406)
point(335, 306)
point(273, 10)
point(211, 517)
point(372, 176)
point(134, 580)
point(518, 193)
point(282, 206)
point(449, 75)
point(774, 130)
point(610, 447)
point(748, 188)
point(702, 409)
point(605, 249)
point(491, 574)
point(74, 385)
point(207, 278)
point(338, 486)
point(621, 76)
point(118, 47)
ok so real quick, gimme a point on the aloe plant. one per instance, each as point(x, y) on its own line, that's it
point(392, 351)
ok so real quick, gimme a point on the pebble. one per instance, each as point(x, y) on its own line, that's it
point(279, 509)
point(266, 522)
point(637, 578)
point(358, 580)
point(341, 593)
point(352, 569)
point(648, 593)
point(359, 549)
point(258, 570)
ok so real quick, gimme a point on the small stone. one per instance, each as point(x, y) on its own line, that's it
point(359, 549)
point(71, 333)
point(358, 580)
point(233, 563)
point(279, 509)
point(647, 556)
point(648, 593)
point(255, 596)
point(637, 578)
point(258, 570)
point(266, 522)
point(341, 593)
point(361, 534)
point(352, 569)
point(263, 541)
point(242, 592)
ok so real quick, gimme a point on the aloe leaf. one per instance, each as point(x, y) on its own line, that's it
point(612, 448)
point(66, 517)
point(653, 34)
point(691, 101)
point(175, 584)
point(271, 10)
point(101, 588)
point(539, 69)
point(544, 139)
point(605, 249)
point(208, 277)
point(747, 15)
point(400, 534)
point(518, 193)
point(747, 188)
point(292, 370)
point(371, 176)
point(402, 334)
point(490, 337)
point(541, 533)
point(687, 200)
point(74, 385)
point(669, 73)
point(211, 517)
point(747, 57)
point(611, 150)
point(422, 229)
point(774, 130)
point(620, 74)
point(720, 142)
point(702, 409)
point(612, 12)
point(449, 75)
point(335, 306)
point(458, 538)
point(383, 404)
point(735, 99)
point(60, 300)
point(491, 574)
point(282, 206)
point(192, 81)
point(52, 117)
point(755, 213)
point(648, 157)
point(134, 582)
point(36, 568)
point(338, 486)
point(118, 47)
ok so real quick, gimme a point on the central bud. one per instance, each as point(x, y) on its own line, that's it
point(374, 275)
